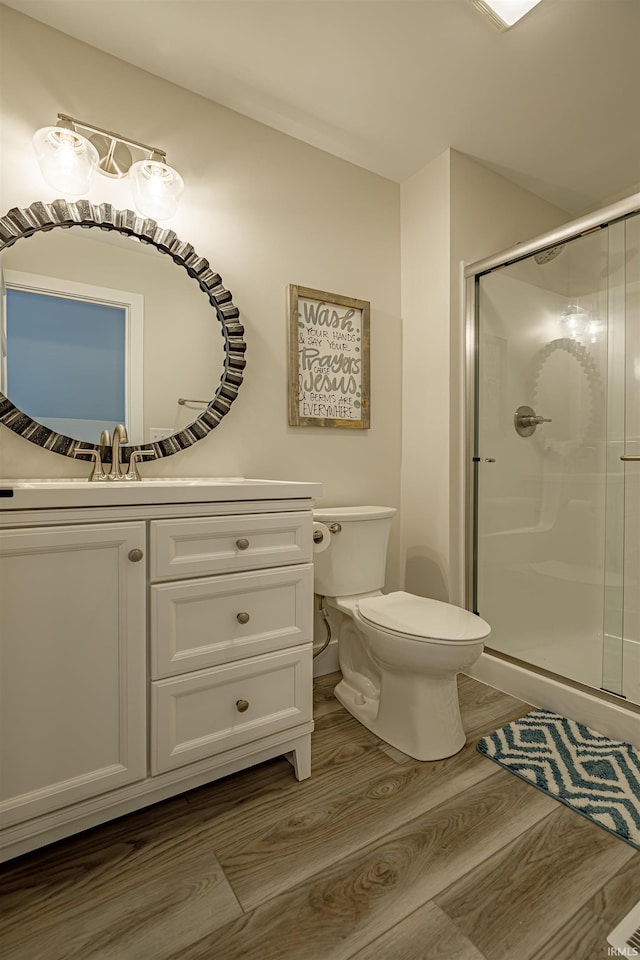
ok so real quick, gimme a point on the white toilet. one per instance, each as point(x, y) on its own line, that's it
point(399, 654)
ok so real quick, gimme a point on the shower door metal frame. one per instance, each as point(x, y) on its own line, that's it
point(597, 220)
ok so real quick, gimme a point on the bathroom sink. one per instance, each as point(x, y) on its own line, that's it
point(79, 492)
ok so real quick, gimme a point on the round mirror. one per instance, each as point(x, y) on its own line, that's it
point(99, 327)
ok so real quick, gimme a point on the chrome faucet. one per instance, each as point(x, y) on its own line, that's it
point(117, 471)
point(120, 435)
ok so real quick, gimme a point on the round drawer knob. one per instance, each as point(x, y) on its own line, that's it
point(242, 705)
point(135, 555)
point(243, 618)
point(242, 544)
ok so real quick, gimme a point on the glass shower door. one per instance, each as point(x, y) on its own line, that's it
point(557, 520)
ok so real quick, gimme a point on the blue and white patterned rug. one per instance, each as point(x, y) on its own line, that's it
point(597, 777)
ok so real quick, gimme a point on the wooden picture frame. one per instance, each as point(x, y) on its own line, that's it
point(328, 359)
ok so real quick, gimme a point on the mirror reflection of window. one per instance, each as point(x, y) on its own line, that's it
point(66, 362)
point(72, 355)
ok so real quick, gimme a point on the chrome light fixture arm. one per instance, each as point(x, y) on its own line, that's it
point(106, 164)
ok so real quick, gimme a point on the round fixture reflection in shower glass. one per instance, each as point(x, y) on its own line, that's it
point(576, 320)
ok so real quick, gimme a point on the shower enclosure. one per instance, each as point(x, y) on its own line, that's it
point(554, 490)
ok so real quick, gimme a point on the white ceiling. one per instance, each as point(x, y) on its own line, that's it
point(389, 84)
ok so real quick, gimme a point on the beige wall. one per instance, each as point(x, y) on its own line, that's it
point(454, 211)
point(266, 210)
point(426, 307)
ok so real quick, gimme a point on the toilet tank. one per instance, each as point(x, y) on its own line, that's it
point(356, 558)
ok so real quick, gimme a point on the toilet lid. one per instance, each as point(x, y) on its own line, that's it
point(421, 617)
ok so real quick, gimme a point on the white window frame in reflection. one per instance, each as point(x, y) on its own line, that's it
point(133, 306)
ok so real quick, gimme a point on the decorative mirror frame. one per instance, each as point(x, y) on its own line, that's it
point(594, 428)
point(20, 223)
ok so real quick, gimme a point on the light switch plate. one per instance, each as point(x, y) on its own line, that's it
point(160, 433)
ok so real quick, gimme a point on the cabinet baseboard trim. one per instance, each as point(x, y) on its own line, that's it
point(63, 823)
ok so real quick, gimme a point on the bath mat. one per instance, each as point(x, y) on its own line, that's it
point(595, 776)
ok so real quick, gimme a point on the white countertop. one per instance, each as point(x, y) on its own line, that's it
point(28, 494)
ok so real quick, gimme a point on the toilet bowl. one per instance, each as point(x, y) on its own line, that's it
point(399, 654)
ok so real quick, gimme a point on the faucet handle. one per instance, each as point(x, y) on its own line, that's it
point(97, 471)
point(133, 473)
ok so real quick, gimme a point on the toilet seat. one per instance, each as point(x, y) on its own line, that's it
point(421, 618)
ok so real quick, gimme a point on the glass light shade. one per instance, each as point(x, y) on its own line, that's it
point(156, 188)
point(67, 159)
point(576, 320)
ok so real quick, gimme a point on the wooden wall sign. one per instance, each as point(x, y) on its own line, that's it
point(328, 360)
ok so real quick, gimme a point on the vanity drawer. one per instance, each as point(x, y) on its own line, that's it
point(206, 622)
point(210, 545)
point(202, 714)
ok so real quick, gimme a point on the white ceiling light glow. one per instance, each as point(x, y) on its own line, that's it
point(504, 13)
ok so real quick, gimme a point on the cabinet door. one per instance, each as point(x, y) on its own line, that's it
point(72, 672)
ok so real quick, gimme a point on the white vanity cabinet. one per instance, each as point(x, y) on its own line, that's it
point(146, 649)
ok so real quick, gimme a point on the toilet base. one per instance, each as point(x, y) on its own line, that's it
point(418, 715)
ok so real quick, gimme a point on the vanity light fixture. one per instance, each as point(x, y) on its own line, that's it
point(70, 153)
point(504, 13)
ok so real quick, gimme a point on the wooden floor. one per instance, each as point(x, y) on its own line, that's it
point(376, 857)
